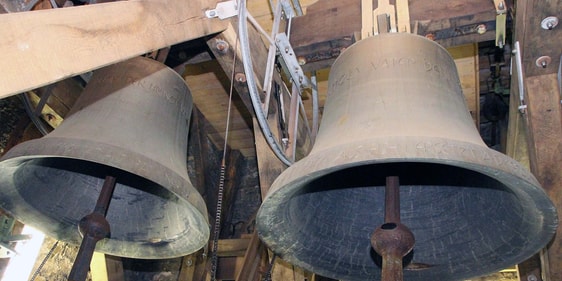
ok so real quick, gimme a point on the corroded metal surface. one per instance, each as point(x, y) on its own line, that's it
point(395, 107)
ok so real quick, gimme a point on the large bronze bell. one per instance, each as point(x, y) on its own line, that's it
point(395, 109)
point(131, 122)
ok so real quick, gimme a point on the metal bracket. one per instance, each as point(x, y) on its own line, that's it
point(223, 10)
point(519, 68)
point(501, 17)
point(290, 60)
point(384, 17)
point(560, 79)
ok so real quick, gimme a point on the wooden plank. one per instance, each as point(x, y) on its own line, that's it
point(466, 59)
point(450, 23)
point(253, 260)
point(209, 85)
point(98, 269)
point(535, 41)
point(42, 47)
point(225, 48)
point(545, 131)
point(233, 247)
point(114, 267)
point(187, 270)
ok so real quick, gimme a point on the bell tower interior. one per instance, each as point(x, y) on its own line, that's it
point(285, 140)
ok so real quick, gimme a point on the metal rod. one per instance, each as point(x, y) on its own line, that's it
point(392, 267)
point(392, 240)
point(105, 196)
point(94, 227)
point(392, 200)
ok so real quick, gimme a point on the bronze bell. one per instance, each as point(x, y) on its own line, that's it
point(395, 108)
point(131, 122)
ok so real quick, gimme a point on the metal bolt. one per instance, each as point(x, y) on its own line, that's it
point(50, 117)
point(532, 277)
point(286, 50)
point(301, 60)
point(501, 6)
point(221, 45)
point(549, 23)
point(543, 61)
point(189, 262)
point(481, 29)
point(240, 77)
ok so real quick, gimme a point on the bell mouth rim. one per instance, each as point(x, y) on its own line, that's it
point(76, 149)
point(464, 155)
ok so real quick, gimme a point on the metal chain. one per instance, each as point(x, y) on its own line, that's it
point(44, 261)
point(216, 232)
point(217, 226)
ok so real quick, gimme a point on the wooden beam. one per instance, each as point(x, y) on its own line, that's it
point(450, 23)
point(535, 41)
point(42, 47)
point(227, 52)
point(254, 259)
point(545, 128)
point(98, 269)
point(466, 59)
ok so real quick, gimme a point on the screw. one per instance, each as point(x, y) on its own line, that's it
point(532, 277)
point(481, 29)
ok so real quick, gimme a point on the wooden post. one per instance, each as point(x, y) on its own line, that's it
point(545, 147)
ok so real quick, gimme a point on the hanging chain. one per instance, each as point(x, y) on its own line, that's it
point(217, 226)
point(216, 233)
point(43, 261)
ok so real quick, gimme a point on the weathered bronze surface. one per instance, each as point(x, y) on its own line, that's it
point(131, 122)
point(395, 108)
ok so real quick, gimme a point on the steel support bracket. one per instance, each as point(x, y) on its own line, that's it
point(520, 82)
point(384, 18)
point(223, 10)
point(289, 60)
point(501, 17)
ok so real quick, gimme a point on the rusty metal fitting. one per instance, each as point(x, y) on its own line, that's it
point(94, 225)
point(240, 77)
point(221, 45)
point(393, 239)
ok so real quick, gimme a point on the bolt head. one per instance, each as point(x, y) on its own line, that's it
point(481, 29)
point(240, 77)
point(543, 61)
point(549, 23)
